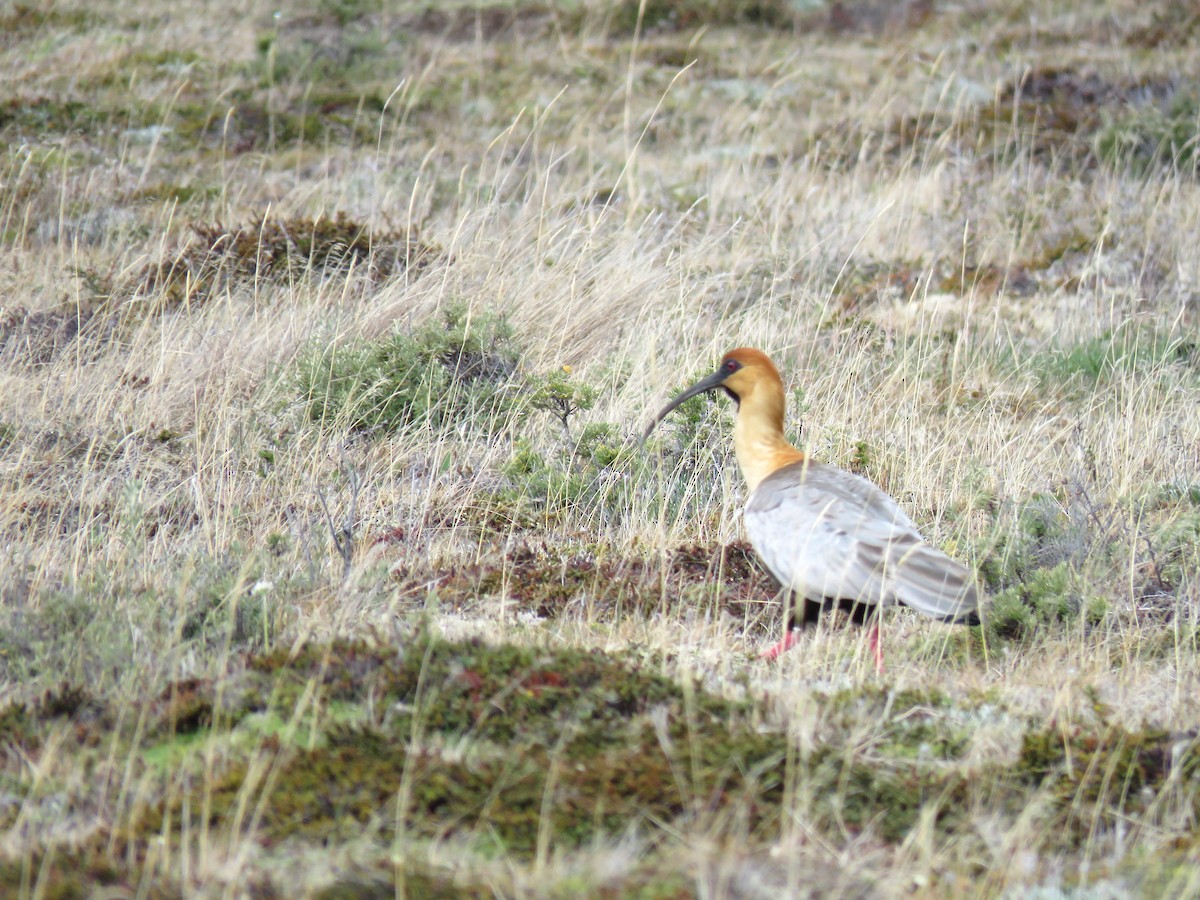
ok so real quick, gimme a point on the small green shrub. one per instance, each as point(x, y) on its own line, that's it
point(696, 433)
point(605, 474)
point(594, 471)
point(460, 369)
point(562, 397)
point(600, 444)
point(1153, 136)
point(1048, 596)
point(677, 472)
point(1177, 546)
point(1033, 568)
point(540, 480)
point(231, 605)
point(580, 470)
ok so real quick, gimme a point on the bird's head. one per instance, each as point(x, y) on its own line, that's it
point(742, 374)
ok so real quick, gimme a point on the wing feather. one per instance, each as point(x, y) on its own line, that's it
point(828, 534)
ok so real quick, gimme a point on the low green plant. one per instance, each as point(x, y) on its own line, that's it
point(562, 396)
point(457, 369)
point(594, 471)
point(602, 473)
point(1048, 596)
point(234, 599)
point(697, 431)
point(1177, 546)
point(1153, 136)
point(1126, 350)
point(1032, 567)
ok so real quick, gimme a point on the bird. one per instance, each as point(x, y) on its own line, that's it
point(831, 538)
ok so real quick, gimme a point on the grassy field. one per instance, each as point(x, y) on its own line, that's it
point(331, 563)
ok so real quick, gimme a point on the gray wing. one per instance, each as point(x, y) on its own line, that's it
point(826, 533)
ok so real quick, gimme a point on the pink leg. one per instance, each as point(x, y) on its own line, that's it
point(876, 648)
point(790, 640)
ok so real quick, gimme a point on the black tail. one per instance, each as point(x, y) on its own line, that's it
point(967, 618)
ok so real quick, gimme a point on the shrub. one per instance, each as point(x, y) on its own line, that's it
point(1151, 136)
point(562, 397)
point(1049, 595)
point(456, 370)
point(595, 470)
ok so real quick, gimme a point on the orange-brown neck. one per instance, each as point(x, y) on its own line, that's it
point(758, 437)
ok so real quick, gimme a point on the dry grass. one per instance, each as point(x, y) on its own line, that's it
point(977, 302)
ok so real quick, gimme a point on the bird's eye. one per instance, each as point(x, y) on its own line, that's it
point(731, 365)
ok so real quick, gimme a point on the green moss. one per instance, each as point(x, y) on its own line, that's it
point(174, 192)
point(406, 879)
point(1101, 778)
point(892, 802)
point(55, 115)
point(168, 757)
point(512, 751)
point(530, 579)
point(16, 723)
point(914, 724)
point(628, 15)
point(186, 707)
point(572, 745)
point(68, 874)
point(22, 20)
point(578, 740)
point(588, 786)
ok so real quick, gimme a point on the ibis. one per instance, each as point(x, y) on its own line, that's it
point(833, 540)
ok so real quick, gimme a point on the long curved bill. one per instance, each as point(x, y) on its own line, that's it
point(712, 382)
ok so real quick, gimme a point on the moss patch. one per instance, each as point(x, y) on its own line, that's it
point(574, 742)
point(1059, 115)
point(37, 337)
point(515, 752)
point(533, 579)
point(1102, 777)
point(279, 251)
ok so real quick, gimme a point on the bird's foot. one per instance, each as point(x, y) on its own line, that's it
point(876, 648)
point(790, 640)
